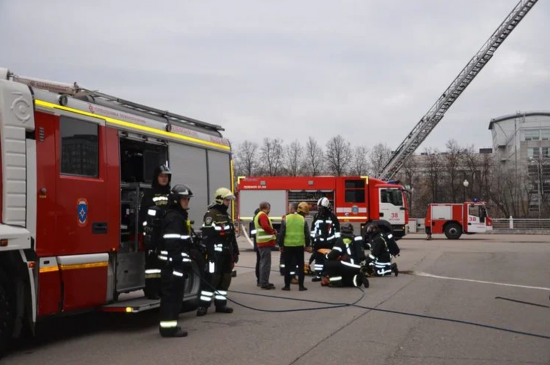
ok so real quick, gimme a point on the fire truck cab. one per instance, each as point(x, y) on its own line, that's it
point(355, 199)
point(453, 219)
point(74, 165)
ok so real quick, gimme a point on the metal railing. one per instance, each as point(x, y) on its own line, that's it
point(521, 223)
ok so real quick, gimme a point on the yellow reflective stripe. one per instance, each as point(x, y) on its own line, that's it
point(49, 269)
point(84, 266)
point(352, 217)
point(122, 123)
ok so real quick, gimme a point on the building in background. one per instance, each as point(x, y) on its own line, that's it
point(521, 143)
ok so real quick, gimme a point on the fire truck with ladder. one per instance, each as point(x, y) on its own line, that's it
point(75, 163)
point(453, 219)
point(356, 199)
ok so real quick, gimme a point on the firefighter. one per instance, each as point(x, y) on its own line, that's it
point(175, 249)
point(343, 262)
point(293, 239)
point(156, 197)
point(218, 234)
point(383, 247)
point(325, 229)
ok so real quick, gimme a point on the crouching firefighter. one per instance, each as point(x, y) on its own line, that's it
point(151, 212)
point(383, 247)
point(343, 263)
point(218, 234)
point(175, 249)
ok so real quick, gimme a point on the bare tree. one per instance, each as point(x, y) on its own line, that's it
point(360, 163)
point(433, 174)
point(246, 159)
point(511, 192)
point(272, 156)
point(379, 156)
point(452, 165)
point(313, 162)
point(293, 158)
point(338, 155)
point(409, 176)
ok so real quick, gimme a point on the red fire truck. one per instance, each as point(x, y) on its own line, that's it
point(74, 164)
point(453, 219)
point(356, 199)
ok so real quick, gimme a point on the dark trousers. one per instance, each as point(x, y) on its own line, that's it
point(294, 257)
point(173, 277)
point(257, 266)
point(218, 281)
point(153, 268)
point(334, 269)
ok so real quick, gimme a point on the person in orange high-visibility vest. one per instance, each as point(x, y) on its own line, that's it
point(265, 239)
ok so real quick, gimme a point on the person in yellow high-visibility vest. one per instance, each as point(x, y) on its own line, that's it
point(265, 239)
point(293, 239)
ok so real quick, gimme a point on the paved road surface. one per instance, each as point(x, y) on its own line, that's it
point(393, 323)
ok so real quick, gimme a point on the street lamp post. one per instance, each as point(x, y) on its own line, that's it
point(465, 183)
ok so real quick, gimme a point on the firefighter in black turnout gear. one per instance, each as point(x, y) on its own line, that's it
point(152, 208)
point(175, 253)
point(343, 262)
point(218, 234)
point(383, 247)
point(325, 229)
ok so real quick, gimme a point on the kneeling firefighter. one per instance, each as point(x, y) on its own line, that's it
point(343, 262)
point(175, 248)
point(383, 248)
point(218, 234)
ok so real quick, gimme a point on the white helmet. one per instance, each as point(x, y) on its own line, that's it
point(323, 202)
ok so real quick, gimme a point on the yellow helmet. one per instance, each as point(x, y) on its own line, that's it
point(221, 194)
point(303, 207)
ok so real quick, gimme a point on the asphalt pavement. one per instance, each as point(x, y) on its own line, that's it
point(482, 299)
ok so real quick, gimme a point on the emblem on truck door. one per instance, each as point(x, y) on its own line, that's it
point(82, 211)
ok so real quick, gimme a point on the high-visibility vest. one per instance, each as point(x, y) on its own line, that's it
point(294, 230)
point(261, 235)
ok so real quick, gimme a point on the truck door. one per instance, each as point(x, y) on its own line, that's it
point(391, 206)
point(84, 234)
point(351, 200)
point(475, 217)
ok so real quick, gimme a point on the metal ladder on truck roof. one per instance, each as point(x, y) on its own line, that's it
point(81, 93)
point(428, 122)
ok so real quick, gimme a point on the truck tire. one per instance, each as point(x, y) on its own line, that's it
point(7, 311)
point(453, 231)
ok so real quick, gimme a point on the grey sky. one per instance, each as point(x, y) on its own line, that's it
point(368, 70)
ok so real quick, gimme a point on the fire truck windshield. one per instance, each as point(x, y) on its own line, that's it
point(395, 197)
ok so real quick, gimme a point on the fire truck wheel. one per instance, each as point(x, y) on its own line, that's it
point(7, 310)
point(453, 231)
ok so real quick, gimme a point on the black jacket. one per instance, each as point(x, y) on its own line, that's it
point(176, 231)
point(218, 229)
point(348, 248)
point(158, 195)
point(321, 229)
point(379, 247)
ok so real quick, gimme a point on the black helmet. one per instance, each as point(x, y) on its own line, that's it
point(347, 228)
point(162, 169)
point(180, 191)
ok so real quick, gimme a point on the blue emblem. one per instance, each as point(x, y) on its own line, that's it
point(355, 209)
point(82, 211)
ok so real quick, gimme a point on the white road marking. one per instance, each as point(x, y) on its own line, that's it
point(425, 274)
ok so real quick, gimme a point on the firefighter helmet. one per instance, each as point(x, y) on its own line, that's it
point(323, 202)
point(303, 207)
point(347, 228)
point(163, 169)
point(180, 191)
point(221, 194)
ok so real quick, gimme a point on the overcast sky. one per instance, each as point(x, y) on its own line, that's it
point(368, 70)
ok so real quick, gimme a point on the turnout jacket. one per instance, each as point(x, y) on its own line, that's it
point(325, 227)
point(348, 249)
point(218, 232)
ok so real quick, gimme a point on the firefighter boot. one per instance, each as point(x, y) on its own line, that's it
point(224, 309)
point(177, 333)
point(394, 269)
point(202, 311)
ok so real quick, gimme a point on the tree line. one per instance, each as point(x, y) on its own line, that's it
point(434, 175)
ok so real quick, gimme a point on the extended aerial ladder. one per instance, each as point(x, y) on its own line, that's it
point(428, 122)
